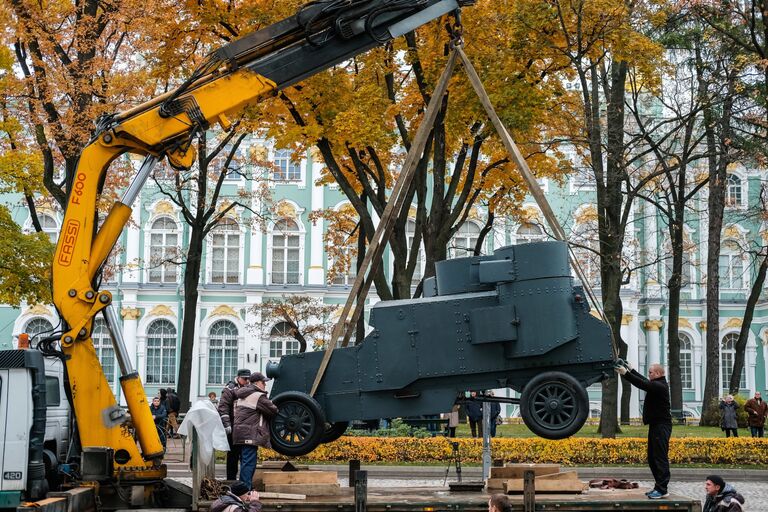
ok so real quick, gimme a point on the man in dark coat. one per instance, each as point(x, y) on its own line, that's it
point(728, 411)
point(160, 415)
point(757, 410)
point(253, 410)
point(226, 408)
point(658, 417)
point(173, 405)
point(239, 498)
point(721, 497)
point(475, 415)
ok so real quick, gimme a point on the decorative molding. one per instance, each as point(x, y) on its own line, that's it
point(765, 338)
point(684, 322)
point(702, 325)
point(286, 210)
point(732, 232)
point(586, 214)
point(131, 313)
point(164, 207)
point(38, 310)
point(626, 319)
point(224, 310)
point(653, 325)
point(161, 310)
point(530, 214)
point(733, 322)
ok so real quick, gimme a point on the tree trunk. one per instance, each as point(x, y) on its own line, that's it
point(674, 285)
point(189, 322)
point(741, 343)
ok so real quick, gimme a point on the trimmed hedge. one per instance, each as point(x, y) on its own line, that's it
point(575, 450)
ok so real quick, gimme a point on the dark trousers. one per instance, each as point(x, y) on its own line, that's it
point(249, 455)
point(233, 459)
point(757, 431)
point(451, 431)
point(658, 454)
point(728, 432)
point(476, 426)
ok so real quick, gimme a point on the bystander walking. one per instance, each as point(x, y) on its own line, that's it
point(728, 422)
point(757, 410)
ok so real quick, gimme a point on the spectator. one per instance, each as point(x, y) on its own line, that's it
point(238, 498)
point(173, 406)
point(658, 417)
point(495, 413)
point(728, 423)
point(212, 397)
point(757, 410)
point(252, 413)
point(721, 497)
point(474, 410)
point(226, 410)
point(453, 420)
point(160, 415)
point(499, 503)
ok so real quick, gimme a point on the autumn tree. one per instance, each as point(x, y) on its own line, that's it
point(306, 319)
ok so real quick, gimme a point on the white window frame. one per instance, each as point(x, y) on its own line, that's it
point(735, 193)
point(270, 246)
point(733, 255)
point(686, 339)
point(526, 238)
point(281, 343)
point(164, 349)
point(730, 337)
point(294, 172)
point(102, 344)
point(227, 344)
point(468, 240)
point(149, 267)
point(211, 258)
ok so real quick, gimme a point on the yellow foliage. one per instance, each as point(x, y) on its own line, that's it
point(575, 450)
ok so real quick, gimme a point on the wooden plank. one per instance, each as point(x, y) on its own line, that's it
point(305, 489)
point(517, 470)
point(299, 477)
point(563, 475)
point(516, 485)
point(278, 464)
point(281, 496)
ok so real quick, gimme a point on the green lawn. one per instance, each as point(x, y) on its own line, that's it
point(626, 431)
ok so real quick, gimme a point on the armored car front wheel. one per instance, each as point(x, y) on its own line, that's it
point(554, 405)
point(299, 424)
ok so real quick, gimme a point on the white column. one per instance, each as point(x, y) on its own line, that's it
point(629, 328)
point(652, 328)
point(131, 316)
point(315, 274)
point(202, 358)
point(252, 346)
point(255, 272)
point(131, 273)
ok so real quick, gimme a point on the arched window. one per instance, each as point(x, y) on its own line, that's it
point(686, 361)
point(102, 343)
point(222, 352)
point(585, 247)
point(731, 265)
point(418, 272)
point(286, 251)
point(727, 355)
point(464, 241)
point(529, 232)
point(163, 251)
point(161, 353)
point(285, 168)
point(733, 190)
point(37, 328)
point(50, 226)
point(225, 253)
point(281, 342)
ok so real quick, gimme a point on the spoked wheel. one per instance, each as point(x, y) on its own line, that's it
point(299, 424)
point(333, 431)
point(554, 405)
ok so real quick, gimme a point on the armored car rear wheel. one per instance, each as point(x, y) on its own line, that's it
point(333, 431)
point(299, 424)
point(554, 405)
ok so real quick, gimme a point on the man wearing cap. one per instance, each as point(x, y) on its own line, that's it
point(721, 497)
point(226, 410)
point(253, 411)
point(238, 498)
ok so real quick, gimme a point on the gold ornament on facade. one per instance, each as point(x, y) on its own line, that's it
point(163, 208)
point(702, 325)
point(38, 310)
point(161, 310)
point(530, 214)
point(585, 214)
point(684, 322)
point(653, 325)
point(224, 310)
point(732, 232)
point(131, 313)
point(626, 319)
point(285, 210)
point(733, 322)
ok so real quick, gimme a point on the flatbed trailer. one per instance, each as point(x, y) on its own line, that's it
point(407, 499)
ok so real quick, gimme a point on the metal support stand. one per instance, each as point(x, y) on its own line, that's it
point(529, 491)
point(354, 467)
point(361, 491)
point(486, 440)
point(456, 459)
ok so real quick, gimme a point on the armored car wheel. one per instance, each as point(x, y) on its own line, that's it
point(333, 431)
point(554, 405)
point(299, 424)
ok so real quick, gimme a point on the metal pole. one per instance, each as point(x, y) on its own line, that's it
point(361, 491)
point(529, 491)
point(354, 467)
point(116, 334)
point(141, 177)
point(486, 440)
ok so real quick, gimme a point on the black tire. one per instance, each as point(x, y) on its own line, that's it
point(299, 424)
point(333, 431)
point(554, 405)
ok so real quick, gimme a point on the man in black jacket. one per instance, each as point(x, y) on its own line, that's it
point(657, 415)
point(226, 408)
